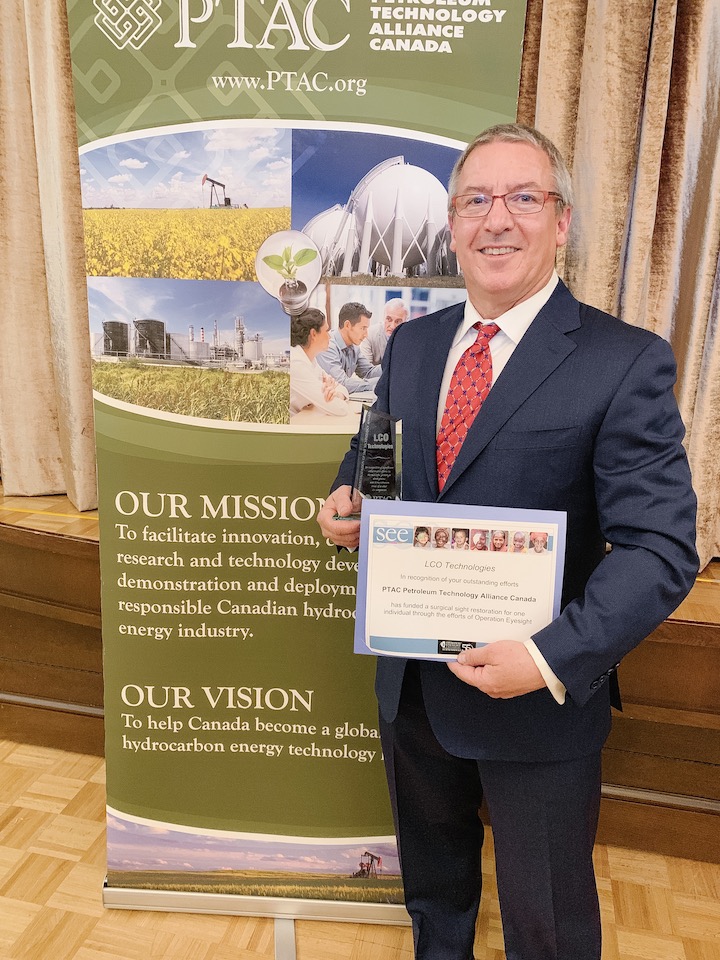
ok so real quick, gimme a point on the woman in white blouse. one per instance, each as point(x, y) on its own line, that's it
point(310, 386)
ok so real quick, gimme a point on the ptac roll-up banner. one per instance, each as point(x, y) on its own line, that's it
point(242, 160)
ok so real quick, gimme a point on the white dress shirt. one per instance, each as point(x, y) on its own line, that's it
point(307, 388)
point(513, 326)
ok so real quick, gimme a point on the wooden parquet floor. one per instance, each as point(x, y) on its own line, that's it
point(52, 865)
point(48, 514)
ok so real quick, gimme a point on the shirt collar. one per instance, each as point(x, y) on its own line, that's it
point(515, 321)
point(338, 337)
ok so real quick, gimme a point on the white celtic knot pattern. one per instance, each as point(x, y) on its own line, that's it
point(126, 22)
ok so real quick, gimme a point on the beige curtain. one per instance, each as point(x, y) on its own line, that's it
point(46, 430)
point(630, 92)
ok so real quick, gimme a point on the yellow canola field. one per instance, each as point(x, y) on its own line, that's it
point(182, 244)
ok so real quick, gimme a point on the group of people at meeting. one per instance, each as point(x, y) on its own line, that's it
point(326, 366)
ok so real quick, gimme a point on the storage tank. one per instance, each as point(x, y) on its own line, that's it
point(254, 347)
point(151, 338)
point(116, 338)
point(330, 231)
point(398, 215)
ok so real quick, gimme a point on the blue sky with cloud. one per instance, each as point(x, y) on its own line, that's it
point(134, 845)
point(165, 170)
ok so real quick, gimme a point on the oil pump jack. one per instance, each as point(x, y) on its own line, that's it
point(214, 192)
point(369, 863)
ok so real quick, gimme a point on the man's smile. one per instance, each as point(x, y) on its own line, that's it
point(497, 251)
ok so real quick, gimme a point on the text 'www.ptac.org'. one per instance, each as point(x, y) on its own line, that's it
point(291, 81)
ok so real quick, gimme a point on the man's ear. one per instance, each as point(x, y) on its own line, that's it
point(563, 227)
point(451, 227)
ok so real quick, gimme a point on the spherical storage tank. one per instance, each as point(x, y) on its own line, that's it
point(324, 227)
point(404, 193)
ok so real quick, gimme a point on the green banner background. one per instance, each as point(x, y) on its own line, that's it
point(452, 94)
point(298, 652)
point(192, 688)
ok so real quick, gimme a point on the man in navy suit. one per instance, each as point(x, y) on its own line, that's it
point(580, 417)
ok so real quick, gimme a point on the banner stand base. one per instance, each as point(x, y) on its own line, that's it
point(284, 939)
point(284, 910)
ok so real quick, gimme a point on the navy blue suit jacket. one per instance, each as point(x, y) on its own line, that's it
point(582, 419)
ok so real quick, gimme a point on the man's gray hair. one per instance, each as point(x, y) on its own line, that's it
point(395, 302)
point(519, 133)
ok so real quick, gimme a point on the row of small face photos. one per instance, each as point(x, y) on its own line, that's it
point(467, 538)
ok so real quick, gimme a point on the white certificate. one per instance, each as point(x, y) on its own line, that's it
point(434, 579)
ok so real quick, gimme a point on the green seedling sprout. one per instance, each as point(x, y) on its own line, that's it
point(287, 264)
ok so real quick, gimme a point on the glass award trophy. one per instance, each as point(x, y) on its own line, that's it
point(379, 456)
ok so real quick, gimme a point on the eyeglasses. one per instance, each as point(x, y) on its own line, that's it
point(518, 203)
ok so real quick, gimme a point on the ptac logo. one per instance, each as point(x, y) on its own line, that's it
point(128, 22)
point(392, 534)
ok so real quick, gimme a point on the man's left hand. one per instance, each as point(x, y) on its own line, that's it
point(502, 669)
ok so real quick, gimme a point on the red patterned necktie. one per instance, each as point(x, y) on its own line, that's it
point(469, 387)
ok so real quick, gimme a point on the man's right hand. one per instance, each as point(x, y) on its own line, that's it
point(344, 533)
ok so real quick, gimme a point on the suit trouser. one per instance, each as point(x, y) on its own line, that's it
point(544, 820)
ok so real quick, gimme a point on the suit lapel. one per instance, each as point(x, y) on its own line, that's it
point(542, 349)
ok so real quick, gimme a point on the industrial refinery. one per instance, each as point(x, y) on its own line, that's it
point(149, 340)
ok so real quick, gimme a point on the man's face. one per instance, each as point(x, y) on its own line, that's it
point(323, 337)
point(356, 333)
point(394, 316)
point(506, 259)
